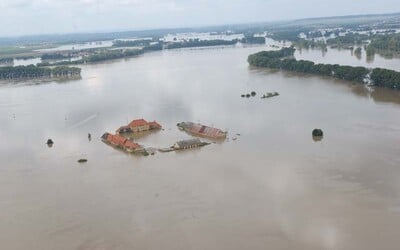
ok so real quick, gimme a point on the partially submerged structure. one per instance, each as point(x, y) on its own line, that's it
point(191, 143)
point(139, 125)
point(122, 143)
point(202, 130)
point(270, 94)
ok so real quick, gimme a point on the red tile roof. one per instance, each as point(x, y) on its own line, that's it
point(138, 123)
point(117, 140)
point(155, 125)
point(131, 145)
point(122, 142)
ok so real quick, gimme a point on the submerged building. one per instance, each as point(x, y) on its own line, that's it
point(202, 130)
point(191, 143)
point(139, 125)
point(121, 142)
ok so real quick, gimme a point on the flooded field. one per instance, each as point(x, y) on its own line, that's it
point(348, 57)
point(272, 188)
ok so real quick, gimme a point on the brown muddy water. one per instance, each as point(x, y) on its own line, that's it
point(272, 188)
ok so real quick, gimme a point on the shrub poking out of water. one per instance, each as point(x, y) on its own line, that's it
point(248, 95)
point(253, 93)
point(243, 96)
point(317, 132)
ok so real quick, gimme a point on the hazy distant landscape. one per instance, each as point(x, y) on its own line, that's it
point(275, 134)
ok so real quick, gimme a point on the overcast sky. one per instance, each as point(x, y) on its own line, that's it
point(24, 17)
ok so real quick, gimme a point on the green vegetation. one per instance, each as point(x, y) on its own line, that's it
point(31, 71)
point(288, 33)
point(112, 54)
point(199, 43)
point(6, 60)
point(153, 47)
point(358, 51)
point(349, 39)
point(283, 59)
point(385, 44)
point(54, 56)
point(303, 43)
point(386, 78)
point(132, 43)
point(370, 51)
point(251, 39)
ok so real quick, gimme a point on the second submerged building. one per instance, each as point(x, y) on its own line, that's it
point(139, 125)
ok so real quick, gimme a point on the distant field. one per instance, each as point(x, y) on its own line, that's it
point(16, 51)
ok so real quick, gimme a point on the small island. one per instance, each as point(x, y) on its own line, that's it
point(35, 72)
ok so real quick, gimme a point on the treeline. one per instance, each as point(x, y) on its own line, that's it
point(386, 78)
point(112, 54)
point(199, 43)
point(6, 60)
point(31, 71)
point(303, 43)
point(387, 42)
point(349, 39)
point(289, 34)
point(132, 43)
point(273, 54)
point(54, 56)
point(283, 59)
point(253, 39)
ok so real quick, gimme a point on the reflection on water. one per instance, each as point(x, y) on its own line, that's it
point(272, 186)
point(348, 57)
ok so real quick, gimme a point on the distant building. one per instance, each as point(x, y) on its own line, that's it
point(139, 125)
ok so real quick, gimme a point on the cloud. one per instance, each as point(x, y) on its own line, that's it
point(61, 16)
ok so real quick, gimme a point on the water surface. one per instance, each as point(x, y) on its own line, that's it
point(274, 187)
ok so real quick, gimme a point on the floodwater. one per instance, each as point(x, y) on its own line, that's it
point(273, 187)
point(347, 57)
point(201, 36)
point(79, 46)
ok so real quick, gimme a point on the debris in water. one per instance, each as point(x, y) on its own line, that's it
point(89, 137)
point(270, 94)
point(317, 135)
point(50, 143)
point(82, 160)
point(318, 132)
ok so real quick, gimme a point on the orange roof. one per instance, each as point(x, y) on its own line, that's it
point(138, 123)
point(117, 140)
point(155, 124)
point(131, 145)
